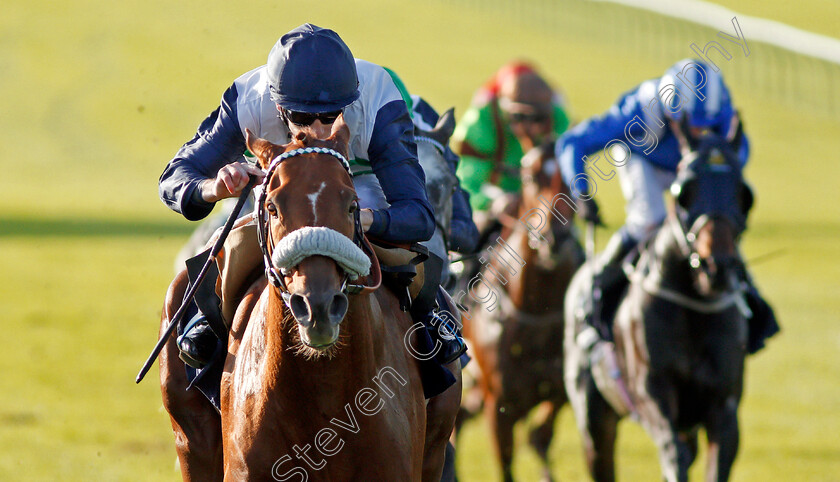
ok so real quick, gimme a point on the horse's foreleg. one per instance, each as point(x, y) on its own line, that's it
point(542, 433)
point(723, 434)
point(656, 408)
point(195, 423)
point(501, 420)
point(599, 435)
point(472, 400)
point(687, 448)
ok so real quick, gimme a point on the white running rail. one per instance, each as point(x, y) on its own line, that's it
point(758, 29)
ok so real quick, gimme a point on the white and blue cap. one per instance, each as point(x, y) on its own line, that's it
point(693, 91)
point(310, 69)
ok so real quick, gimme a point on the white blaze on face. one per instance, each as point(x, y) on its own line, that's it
point(313, 198)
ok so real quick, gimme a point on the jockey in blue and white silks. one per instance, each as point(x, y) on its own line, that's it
point(643, 136)
point(655, 122)
point(383, 156)
point(311, 78)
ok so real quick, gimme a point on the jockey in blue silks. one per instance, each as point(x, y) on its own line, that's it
point(310, 79)
point(644, 135)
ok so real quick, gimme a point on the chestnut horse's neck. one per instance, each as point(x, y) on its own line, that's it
point(549, 260)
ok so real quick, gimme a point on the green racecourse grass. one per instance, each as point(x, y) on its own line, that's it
point(97, 96)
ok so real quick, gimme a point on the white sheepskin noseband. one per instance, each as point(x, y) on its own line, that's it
point(318, 240)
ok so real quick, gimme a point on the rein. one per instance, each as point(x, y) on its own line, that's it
point(431, 141)
point(549, 239)
point(707, 306)
point(277, 278)
point(716, 305)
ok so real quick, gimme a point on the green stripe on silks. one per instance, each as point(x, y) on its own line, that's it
point(403, 91)
point(250, 158)
point(360, 167)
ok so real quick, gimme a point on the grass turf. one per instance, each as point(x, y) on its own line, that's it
point(99, 95)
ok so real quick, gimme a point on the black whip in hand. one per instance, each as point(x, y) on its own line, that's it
point(217, 246)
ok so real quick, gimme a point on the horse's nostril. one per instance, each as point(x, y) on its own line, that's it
point(300, 309)
point(338, 308)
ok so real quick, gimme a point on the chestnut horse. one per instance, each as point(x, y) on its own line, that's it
point(317, 382)
point(679, 332)
point(516, 337)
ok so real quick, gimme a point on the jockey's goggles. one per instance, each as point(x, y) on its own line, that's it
point(521, 117)
point(304, 119)
point(524, 112)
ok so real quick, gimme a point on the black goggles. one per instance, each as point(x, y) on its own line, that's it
point(520, 118)
point(303, 119)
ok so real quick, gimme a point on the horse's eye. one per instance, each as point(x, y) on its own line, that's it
point(353, 207)
point(271, 209)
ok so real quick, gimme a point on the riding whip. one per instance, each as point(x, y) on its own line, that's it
point(211, 257)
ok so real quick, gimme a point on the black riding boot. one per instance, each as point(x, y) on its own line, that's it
point(763, 324)
point(608, 284)
point(443, 328)
point(429, 306)
point(198, 343)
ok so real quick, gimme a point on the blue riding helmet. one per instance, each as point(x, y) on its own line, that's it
point(310, 69)
point(704, 99)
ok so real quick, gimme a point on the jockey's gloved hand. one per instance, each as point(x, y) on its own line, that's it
point(589, 211)
point(501, 204)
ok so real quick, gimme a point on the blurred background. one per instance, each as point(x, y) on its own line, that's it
point(97, 96)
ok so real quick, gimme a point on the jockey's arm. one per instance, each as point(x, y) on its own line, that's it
point(475, 140)
point(586, 139)
point(463, 233)
point(198, 177)
point(474, 173)
point(393, 157)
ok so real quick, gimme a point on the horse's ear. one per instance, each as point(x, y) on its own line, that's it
point(340, 135)
point(445, 127)
point(262, 148)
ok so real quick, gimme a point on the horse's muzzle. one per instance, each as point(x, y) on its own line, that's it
point(319, 316)
point(716, 274)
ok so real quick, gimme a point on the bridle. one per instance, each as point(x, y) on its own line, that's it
point(277, 277)
point(686, 227)
point(686, 224)
point(553, 239)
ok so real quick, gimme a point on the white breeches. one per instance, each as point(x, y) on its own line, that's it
point(643, 185)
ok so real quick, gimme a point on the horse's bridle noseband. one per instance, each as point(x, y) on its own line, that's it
point(276, 278)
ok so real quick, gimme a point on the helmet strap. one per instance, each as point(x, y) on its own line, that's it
point(281, 114)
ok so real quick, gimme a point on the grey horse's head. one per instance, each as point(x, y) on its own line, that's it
point(441, 182)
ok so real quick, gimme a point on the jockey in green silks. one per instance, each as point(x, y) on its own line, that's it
point(515, 111)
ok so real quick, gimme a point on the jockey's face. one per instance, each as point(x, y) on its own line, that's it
point(531, 128)
point(317, 126)
point(526, 103)
point(688, 136)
